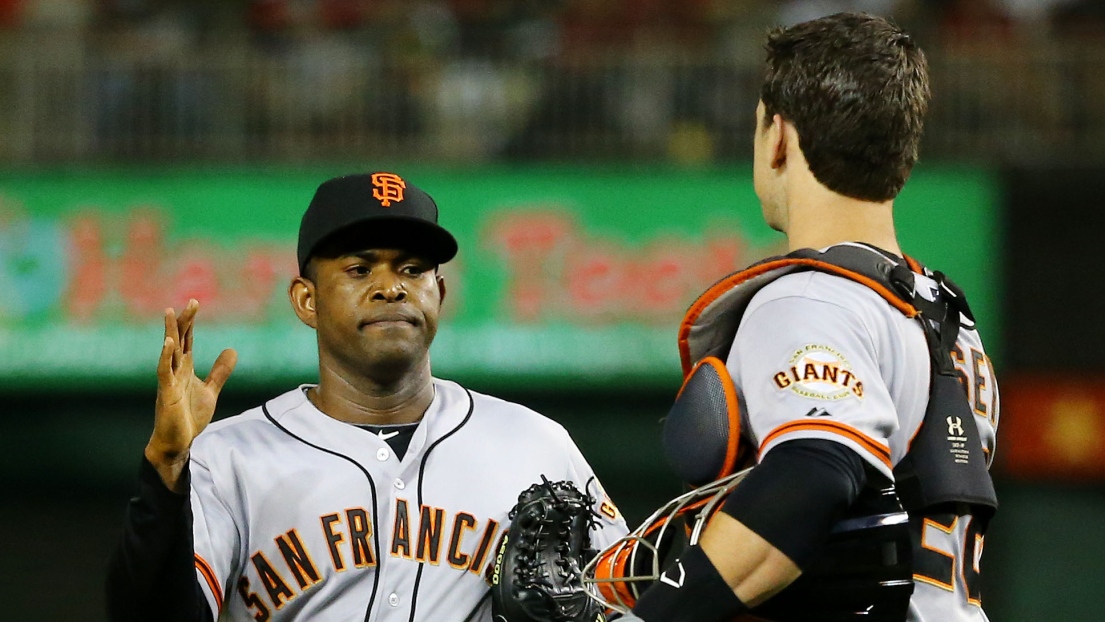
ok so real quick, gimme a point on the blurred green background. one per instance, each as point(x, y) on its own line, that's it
point(592, 158)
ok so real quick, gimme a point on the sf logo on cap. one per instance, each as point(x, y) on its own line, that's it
point(387, 187)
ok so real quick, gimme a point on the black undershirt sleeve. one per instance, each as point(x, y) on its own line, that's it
point(794, 497)
point(151, 575)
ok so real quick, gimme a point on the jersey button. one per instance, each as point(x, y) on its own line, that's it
point(382, 454)
point(399, 484)
point(393, 600)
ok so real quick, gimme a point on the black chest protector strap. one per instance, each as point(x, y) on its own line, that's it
point(945, 464)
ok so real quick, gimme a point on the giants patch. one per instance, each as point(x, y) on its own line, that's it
point(821, 373)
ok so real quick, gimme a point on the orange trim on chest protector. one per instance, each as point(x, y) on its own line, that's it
point(732, 411)
point(711, 295)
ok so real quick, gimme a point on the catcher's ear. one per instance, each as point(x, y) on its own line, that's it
point(701, 436)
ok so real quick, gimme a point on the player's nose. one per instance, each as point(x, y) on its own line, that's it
point(388, 288)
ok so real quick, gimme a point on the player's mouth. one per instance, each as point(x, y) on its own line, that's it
point(390, 319)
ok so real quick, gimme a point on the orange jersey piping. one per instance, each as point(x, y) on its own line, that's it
point(868, 443)
point(212, 582)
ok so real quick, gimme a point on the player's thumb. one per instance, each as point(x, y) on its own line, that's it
point(221, 370)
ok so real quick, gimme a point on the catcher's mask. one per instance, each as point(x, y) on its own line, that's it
point(618, 575)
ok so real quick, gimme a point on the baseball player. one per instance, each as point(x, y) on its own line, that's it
point(849, 379)
point(378, 494)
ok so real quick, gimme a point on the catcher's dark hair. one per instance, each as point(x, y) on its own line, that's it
point(856, 88)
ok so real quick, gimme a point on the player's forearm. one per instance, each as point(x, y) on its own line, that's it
point(729, 571)
point(151, 574)
point(755, 570)
point(715, 582)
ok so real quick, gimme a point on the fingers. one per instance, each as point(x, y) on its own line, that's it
point(172, 335)
point(170, 324)
point(165, 362)
point(186, 323)
point(177, 350)
point(188, 338)
point(221, 370)
point(180, 330)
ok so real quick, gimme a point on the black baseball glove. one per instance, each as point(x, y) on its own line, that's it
point(538, 569)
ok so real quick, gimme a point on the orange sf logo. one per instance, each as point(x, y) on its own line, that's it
point(388, 187)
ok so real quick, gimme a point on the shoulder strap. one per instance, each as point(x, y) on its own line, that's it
point(710, 325)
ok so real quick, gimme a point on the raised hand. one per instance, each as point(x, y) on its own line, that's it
point(185, 404)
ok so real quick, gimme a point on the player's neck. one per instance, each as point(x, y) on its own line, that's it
point(354, 398)
point(817, 218)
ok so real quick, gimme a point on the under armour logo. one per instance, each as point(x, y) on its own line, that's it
point(388, 187)
point(664, 578)
point(955, 426)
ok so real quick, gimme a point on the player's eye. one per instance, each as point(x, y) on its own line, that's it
point(414, 269)
point(357, 270)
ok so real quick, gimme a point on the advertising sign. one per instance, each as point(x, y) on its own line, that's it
point(565, 275)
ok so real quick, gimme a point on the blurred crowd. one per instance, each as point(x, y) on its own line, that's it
point(528, 29)
point(450, 78)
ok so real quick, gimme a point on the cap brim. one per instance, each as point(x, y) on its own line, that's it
point(414, 235)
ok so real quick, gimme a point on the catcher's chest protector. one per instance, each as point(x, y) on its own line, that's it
point(941, 471)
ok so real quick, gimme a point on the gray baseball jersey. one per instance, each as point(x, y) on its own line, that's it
point(821, 356)
point(297, 515)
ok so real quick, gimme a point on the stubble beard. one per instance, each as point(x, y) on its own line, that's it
point(382, 362)
point(389, 365)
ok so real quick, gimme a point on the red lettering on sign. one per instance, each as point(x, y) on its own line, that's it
point(667, 277)
point(194, 275)
point(595, 280)
point(557, 270)
point(529, 243)
point(130, 267)
point(140, 279)
point(265, 270)
point(88, 267)
point(139, 271)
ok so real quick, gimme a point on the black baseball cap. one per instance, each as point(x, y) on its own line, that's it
point(381, 209)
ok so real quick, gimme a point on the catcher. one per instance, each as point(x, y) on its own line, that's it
point(852, 375)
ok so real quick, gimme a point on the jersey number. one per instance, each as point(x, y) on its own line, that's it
point(944, 550)
point(976, 373)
